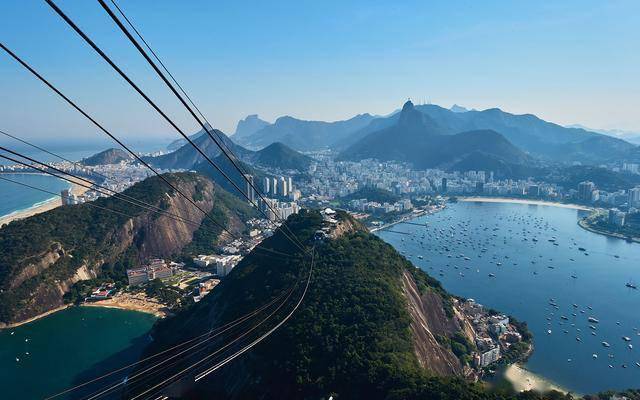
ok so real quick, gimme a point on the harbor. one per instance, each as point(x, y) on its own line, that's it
point(573, 288)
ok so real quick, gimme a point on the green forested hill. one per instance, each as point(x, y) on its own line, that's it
point(42, 256)
point(350, 339)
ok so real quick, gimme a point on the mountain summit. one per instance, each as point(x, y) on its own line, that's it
point(418, 139)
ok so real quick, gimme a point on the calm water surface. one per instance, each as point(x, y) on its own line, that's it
point(530, 274)
point(15, 197)
point(69, 347)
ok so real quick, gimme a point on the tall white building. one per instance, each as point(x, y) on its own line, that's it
point(283, 187)
point(634, 197)
point(265, 185)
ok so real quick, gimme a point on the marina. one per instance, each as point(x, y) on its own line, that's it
point(535, 263)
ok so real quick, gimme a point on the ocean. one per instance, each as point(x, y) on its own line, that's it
point(534, 253)
point(16, 198)
point(69, 347)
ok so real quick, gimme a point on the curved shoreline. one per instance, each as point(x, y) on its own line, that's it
point(40, 207)
point(37, 317)
point(583, 224)
point(524, 201)
point(523, 379)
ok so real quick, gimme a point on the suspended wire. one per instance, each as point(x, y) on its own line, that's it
point(57, 194)
point(237, 353)
point(225, 150)
point(52, 153)
point(85, 114)
point(209, 333)
point(87, 183)
point(153, 104)
point(74, 105)
point(109, 192)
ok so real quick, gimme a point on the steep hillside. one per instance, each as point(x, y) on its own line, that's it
point(110, 156)
point(42, 256)
point(279, 155)
point(421, 141)
point(186, 157)
point(532, 134)
point(304, 135)
point(176, 144)
point(230, 171)
point(370, 326)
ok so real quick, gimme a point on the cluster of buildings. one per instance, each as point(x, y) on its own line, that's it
point(203, 288)
point(279, 198)
point(330, 179)
point(493, 333)
point(632, 168)
point(156, 269)
point(222, 264)
point(588, 193)
point(374, 207)
point(104, 291)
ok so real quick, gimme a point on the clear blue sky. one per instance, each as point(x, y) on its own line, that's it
point(565, 61)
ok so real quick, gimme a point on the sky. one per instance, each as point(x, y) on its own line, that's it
point(567, 62)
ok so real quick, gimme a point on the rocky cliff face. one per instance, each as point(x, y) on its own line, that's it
point(428, 321)
point(368, 326)
point(43, 256)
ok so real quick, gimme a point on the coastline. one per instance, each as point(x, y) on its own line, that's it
point(584, 225)
point(40, 207)
point(524, 201)
point(132, 302)
point(522, 379)
point(37, 317)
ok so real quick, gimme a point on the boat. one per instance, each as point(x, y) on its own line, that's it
point(549, 332)
point(594, 355)
point(626, 338)
point(605, 344)
point(631, 285)
point(591, 319)
point(492, 276)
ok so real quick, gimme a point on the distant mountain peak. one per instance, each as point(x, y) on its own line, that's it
point(249, 125)
point(408, 106)
point(458, 109)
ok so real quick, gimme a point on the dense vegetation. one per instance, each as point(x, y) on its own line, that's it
point(605, 179)
point(350, 338)
point(371, 194)
point(110, 156)
point(278, 155)
point(81, 235)
point(630, 229)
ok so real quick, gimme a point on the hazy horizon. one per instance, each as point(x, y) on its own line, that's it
point(569, 63)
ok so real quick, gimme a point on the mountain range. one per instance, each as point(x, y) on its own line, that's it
point(274, 156)
point(540, 139)
point(303, 135)
point(417, 139)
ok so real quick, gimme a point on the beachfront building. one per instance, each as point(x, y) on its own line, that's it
point(156, 269)
point(487, 357)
